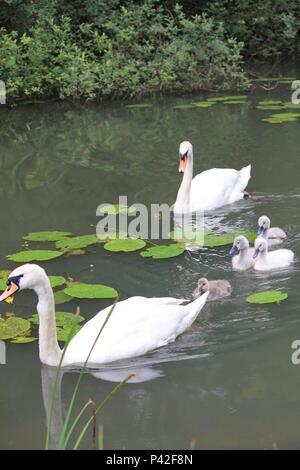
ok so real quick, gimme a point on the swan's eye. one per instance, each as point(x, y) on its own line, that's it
point(14, 279)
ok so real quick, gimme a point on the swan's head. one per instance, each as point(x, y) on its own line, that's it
point(263, 224)
point(185, 152)
point(240, 243)
point(260, 246)
point(203, 285)
point(28, 276)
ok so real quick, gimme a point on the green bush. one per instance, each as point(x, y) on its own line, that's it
point(137, 49)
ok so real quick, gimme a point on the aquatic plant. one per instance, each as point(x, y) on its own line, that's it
point(267, 297)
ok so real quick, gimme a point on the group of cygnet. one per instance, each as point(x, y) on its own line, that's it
point(258, 258)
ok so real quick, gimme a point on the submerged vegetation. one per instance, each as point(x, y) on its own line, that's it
point(115, 48)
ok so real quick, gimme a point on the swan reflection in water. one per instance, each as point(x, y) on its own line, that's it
point(48, 373)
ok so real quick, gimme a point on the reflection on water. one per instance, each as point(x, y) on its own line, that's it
point(228, 382)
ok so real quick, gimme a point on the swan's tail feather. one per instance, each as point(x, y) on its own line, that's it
point(196, 306)
point(245, 175)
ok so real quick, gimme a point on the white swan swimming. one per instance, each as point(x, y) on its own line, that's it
point(217, 289)
point(244, 260)
point(274, 235)
point(136, 326)
point(210, 189)
point(275, 260)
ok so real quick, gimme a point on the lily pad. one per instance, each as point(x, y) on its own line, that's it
point(34, 255)
point(267, 297)
point(13, 327)
point(273, 120)
point(56, 281)
point(91, 291)
point(189, 235)
point(62, 319)
point(139, 105)
point(51, 236)
point(115, 209)
point(270, 107)
point(228, 98)
point(184, 106)
point(203, 104)
point(4, 274)
point(125, 245)
point(163, 251)
point(227, 238)
point(75, 243)
point(286, 117)
point(235, 102)
point(269, 102)
point(23, 339)
point(63, 333)
point(60, 297)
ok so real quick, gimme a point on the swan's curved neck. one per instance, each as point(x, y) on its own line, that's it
point(183, 195)
point(265, 234)
point(49, 349)
point(243, 255)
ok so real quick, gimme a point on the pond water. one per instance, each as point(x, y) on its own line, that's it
point(229, 381)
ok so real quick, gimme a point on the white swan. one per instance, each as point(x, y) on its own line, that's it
point(209, 189)
point(136, 326)
point(244, 260)
point(275, 260)
point(274, 235)
point(217, 289)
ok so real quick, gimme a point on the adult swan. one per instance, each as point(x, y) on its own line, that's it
point(211, 188)
point(136, 326)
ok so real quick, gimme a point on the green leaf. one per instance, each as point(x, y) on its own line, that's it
point(91, 291)
point(286, 117)
point(13, 327)
point(3, 284)
point(51, 236)
point(115, 209)
point(63, 333)
point(63, 319)
point(267, 297)
point(4, 274)
point(270, 107)
point(235, 102)
point(228, 98)
point(60, 297)
point(184, 106)
point(203, 104)
point(273, 120)
point(227, 238)
point(34, 255)
point(269, 102)
point(75, 243)
point(23, 339)
point(139, 105)
point(56, 281)
point(125, 245)
point(163, 251)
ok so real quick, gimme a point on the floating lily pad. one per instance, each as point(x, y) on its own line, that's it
point(163, 251)
point(269, 102)
point(75, 243)
point(289, 105)
point(60, 297)
point(34, 255)
point(235, 102)
point(56, 281)
point(125, 245)
point(104, 237)
point(270, 107)
point(62, 319)
point(91, 291)
point(139, 105)
point(51, 236)
point(273, 120)
point(286, 117)
point(13, 327)
point(267, 297)
point(23, 339)
point(203, 104)
point(4, 274)
point(115, 209)
point(189, 234)
point(63, 333)
point(184, 106)
point(3, 284)
point(228, 98)
point(227, 238)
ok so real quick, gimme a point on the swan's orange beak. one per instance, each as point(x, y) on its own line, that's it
point(182, 164)
point(9, 292)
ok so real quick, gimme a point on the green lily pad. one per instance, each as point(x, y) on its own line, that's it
point(115, 209)
point(107, 236)
point(270, 107)
point(227, 238)
point(286, 117)
point(51, 236)
point(203, 104)
point(184, 106)
point(13, 327)
point(139, 106)
point(91, 291)
point(63, 319)
point(289, 105)
point(235, 102)
point(125, 245)
point(228, 98)
point(267, 297)
point(269, 102)
point(56, 281)
point(3, 284)
point(34, 255)
point(23, 339)
point(273, 120)
point(75, 243)
point(163, 251)
point(63, 333)
point(60, 297)
point(4, 274)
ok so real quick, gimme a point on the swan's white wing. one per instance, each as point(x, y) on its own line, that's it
point(218, 187)
point(135, 327)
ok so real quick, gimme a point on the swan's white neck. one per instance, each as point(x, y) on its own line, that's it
point(243, 255)
point(183, 195)
point(50, 351)
point(263, 255)
point(265, 234)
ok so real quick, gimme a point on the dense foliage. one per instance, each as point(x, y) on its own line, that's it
point(95, 48)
